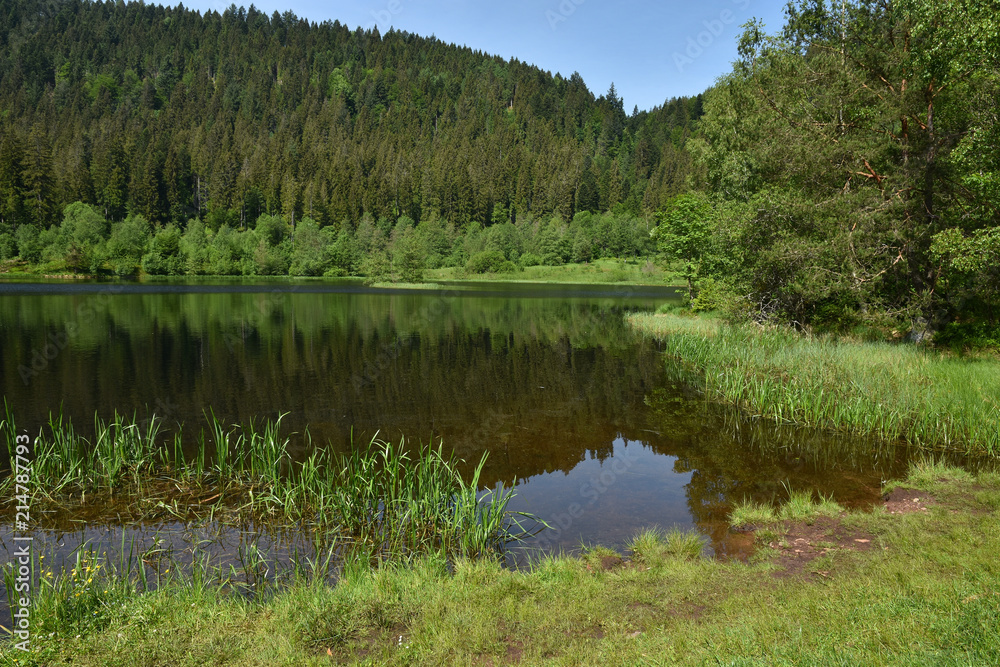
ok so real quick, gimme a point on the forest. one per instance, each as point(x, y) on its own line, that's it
point(845, 174)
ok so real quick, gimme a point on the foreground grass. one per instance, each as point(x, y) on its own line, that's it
point(927, 591)
point(893, 391)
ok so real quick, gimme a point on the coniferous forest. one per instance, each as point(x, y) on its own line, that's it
point(845, 173)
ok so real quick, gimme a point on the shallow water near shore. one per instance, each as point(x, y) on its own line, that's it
point(602, 434)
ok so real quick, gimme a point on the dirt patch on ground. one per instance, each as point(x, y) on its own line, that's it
point(515, 650)
point(370, 644)
point(802, 543)
point(610, 562)
point(687, 610)
point(906, 501)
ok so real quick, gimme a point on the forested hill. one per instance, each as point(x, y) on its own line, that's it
point(171, 114)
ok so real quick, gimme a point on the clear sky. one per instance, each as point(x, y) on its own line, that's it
point(652, 51)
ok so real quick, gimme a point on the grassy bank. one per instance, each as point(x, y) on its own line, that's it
point(600, 271)
point(910, 583)
point(894, 391)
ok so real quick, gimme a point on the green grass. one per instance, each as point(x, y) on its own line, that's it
point(401, 285)
point(641, 271)
point(387, 501)
point(798, 506)
point(927, 591)
point(928, 398)
point(600, 271)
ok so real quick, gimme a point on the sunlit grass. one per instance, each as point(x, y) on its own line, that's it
point(893, 391)
point(600, 271)
point(929, 595)
point(389, 500)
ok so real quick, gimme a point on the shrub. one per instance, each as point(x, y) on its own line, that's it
point(530, 259)
point(711, 295)
point(488, 261)
point(8, 248)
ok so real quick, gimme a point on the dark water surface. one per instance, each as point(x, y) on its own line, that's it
point(602, 435)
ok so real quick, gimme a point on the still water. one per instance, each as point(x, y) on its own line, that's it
point(601, 432)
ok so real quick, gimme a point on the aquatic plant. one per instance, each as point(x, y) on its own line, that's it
point(379, 495)
point(892, 391)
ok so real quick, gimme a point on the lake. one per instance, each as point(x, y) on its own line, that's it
point(603, 435)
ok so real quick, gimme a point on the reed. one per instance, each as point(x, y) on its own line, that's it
point(381, 497)
point(892, 391)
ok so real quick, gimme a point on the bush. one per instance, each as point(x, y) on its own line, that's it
point(127, 245)
point(488, 261)
point(8, 248)
point(711, 295)
point(29, 248)
point(530, 259)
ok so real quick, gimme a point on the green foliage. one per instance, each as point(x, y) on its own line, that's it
point(80, 238)
point(194, 248)
point(164, 257)
point(200, 141)
point(8, 246)
point(711, 296)
point(530, 259)
point(29, 246)
point(408, 252)
point(309, 249)
point(487, 261)
point(683, 233)
point(343, 254)
point(834, 148)
point(127, 244)
point(970, 272)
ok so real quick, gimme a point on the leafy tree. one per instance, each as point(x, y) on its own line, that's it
point(127, 244)
point(194, 248)
point(343, 255)
point(309, 249)
point(683, 234)
point(164, 256)
point(80, 237)
point(408, 254)
point(29, 246)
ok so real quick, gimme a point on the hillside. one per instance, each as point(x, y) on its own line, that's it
point(172, 114)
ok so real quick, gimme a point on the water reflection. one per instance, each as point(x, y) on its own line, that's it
point(602, 435)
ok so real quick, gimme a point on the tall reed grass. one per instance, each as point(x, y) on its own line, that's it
point(892, 391)
point(388, 499)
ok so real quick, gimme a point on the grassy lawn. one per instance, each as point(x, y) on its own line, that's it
point(915, 581)
point(929, 398)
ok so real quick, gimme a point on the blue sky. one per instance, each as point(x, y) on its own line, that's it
point(651, 50)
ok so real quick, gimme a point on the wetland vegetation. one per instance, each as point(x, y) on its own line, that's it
point(381, 498)
point(932, 399)
point(877, 588)
point(827, 428)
